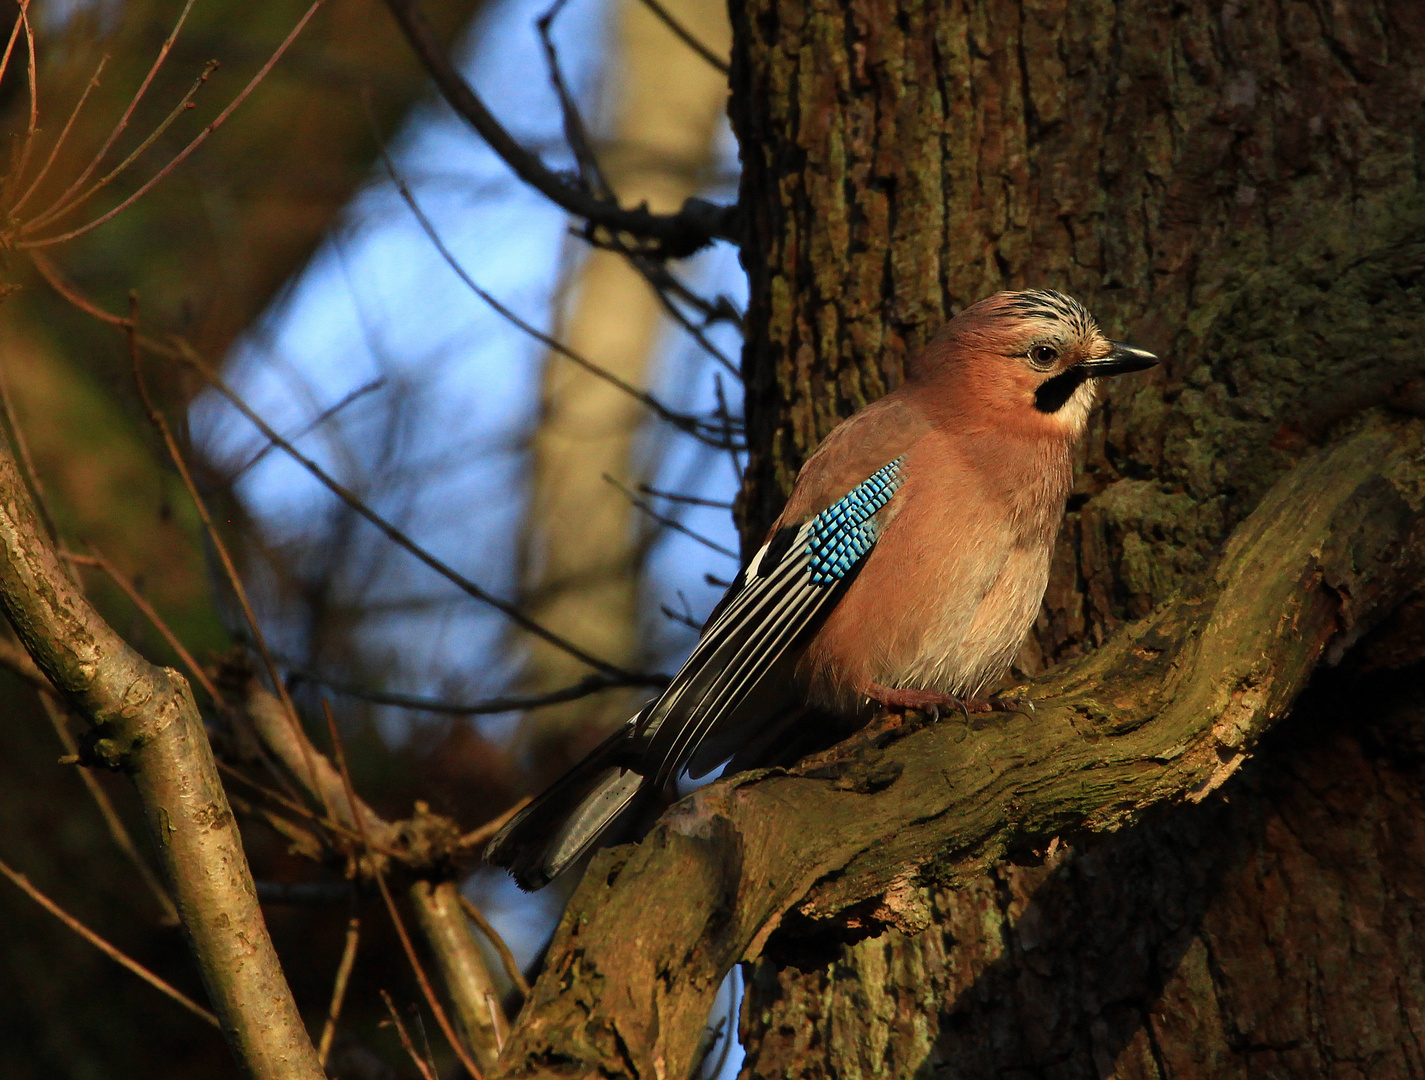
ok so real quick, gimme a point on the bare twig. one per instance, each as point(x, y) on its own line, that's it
point(427, 1073)
point(592, 684)
point(210, 529)
point(33, 87)
point(22, 882)
point(184, 104)
point(669, 522)
point(61, 139)
point(343, 974)
point(391, 532)
point(316, 422)
point(682, 421)
point(507, 958)
point(188, 150)
point(576, 133)
point(686, 37)
point(396, 921)
point(666, 235)
point(691, 500)
point(124, 119)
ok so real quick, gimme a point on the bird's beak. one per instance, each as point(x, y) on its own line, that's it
point(1123, 359)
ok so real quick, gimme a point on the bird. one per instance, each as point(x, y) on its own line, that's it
point(904, 572)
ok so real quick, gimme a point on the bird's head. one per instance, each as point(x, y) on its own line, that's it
point(1035, 355)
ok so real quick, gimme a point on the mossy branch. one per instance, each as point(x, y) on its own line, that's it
point(1164, 712)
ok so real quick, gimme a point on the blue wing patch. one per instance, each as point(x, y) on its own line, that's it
point(847, 529)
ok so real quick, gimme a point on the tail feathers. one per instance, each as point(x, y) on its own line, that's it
point(551, 833)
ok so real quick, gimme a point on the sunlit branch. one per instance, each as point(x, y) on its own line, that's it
point(123, 121)
point(192, 146)
point(343, 975)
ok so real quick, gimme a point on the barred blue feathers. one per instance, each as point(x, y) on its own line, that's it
point(847, 529)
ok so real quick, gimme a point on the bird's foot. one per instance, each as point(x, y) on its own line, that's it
point(927, 701)
point(933, 701)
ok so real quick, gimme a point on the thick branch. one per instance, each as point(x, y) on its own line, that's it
point(696, 225)
point(1164, 712)
point(145, 721)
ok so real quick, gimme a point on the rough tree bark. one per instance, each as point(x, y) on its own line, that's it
point(1238, 188)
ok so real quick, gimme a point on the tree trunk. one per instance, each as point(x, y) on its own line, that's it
point(1238, 189)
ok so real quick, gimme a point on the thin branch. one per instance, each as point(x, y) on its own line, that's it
point(59, 142)
point(427, 1073)
point(124, 119)
point(184, 104)
point(210, 529)
point(507, 958)
point(691, 500)
point(671, 523)
point(396, 921)
point(320, 419)
point(10, 44)
point(682, 421)
point(667, 235)
point(576, 133)
point(118, 831)
point(23, 883)
point(195, 669)
point(343, 975)
point(592, 684)
point(33, 87)
point(394, 534)
point(188, 150)
point(686, 37)
point(60, 284)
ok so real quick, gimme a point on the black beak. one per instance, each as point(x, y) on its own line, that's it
point(1123, 359)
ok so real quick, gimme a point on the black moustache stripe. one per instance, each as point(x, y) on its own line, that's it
point(1052, 394)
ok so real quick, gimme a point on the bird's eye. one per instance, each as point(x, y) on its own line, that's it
point(1043, 355)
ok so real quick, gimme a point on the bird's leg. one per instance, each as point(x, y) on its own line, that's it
point(902, 698)
point(933, 701)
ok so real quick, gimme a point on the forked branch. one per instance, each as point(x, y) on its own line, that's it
point(696, 225)
point(1164, 712)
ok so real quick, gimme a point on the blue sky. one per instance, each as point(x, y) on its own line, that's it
point(378, 302)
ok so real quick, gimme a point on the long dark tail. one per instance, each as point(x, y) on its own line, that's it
point(547, 836)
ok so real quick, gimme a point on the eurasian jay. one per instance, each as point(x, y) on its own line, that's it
point(905, 570)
